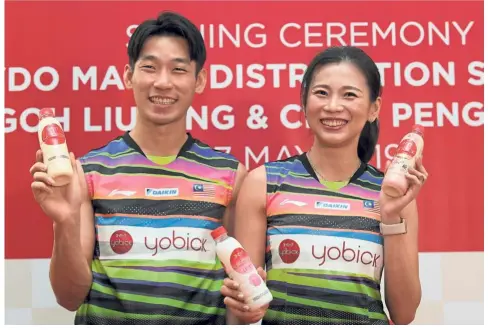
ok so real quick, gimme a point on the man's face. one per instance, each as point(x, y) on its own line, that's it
point(164, 80)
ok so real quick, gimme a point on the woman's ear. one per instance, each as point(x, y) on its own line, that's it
point(374, 110)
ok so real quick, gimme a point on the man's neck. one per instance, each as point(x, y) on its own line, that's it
point(334, 164)
point(159, 140)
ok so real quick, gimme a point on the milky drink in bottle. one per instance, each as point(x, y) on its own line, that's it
point(54, 149)
point(239, 267)
point(395, 183)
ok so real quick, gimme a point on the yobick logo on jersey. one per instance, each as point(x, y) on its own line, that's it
point(289, 251)
point(345, 253)
point(162, 192)
point(176, 241)
point(121, 242)
point(332, 206)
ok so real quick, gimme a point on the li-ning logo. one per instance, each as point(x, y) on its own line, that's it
point(162, 192)
point(289, 201)
point(332, 206)
point(121, 192)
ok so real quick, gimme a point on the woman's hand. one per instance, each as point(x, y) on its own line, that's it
point(235, 301)
point(391, 207)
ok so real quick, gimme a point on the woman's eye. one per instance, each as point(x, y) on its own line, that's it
point(321, 92)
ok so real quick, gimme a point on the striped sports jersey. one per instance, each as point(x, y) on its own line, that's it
point(324, 251)
point(154, 260)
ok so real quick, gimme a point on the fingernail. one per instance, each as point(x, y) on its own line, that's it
point(236, 285)
point(51, 181)
point(240, 296)
point(246, 308)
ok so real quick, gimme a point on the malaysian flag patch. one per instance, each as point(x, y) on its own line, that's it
point(372, 206)
point(204, 190)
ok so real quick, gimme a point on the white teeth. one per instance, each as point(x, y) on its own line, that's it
point(333, 122)
point(161, 100)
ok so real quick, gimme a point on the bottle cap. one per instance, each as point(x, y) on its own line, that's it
point(418, 128)
point(46, 112)
point(218, 232)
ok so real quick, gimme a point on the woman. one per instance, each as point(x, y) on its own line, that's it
point(314, 220)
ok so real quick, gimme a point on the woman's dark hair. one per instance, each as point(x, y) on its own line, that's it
point(168, 24)
point(356, 56)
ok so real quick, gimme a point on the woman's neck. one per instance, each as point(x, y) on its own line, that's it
point(334, 164)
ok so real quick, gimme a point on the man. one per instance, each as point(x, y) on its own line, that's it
point(132, 240)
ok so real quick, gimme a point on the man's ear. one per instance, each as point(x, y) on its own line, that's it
point(128, 76)
point(201, 81)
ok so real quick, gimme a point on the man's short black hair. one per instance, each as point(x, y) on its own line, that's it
point(168, 24)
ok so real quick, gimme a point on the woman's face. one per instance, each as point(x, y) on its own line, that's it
point(338, 104)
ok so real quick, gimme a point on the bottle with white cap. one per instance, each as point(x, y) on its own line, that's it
point(54, 148)
point(239, 267)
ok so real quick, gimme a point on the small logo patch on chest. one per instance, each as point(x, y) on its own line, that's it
point(204, 190)
point(161, 192)
point(332, 206)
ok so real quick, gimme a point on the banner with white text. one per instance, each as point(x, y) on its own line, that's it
point(71, 56)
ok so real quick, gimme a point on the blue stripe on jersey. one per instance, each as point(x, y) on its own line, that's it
point(312, 231)
point(157, 222)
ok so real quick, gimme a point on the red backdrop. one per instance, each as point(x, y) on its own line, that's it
point(437, 36)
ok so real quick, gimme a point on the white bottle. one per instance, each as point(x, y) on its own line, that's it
point(395, 184)
point(239, 267)
point(54, 149)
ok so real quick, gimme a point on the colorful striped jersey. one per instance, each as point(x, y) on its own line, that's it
point(324, 251)
point(154, 260)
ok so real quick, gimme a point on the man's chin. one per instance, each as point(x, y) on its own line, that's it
point(164, 119)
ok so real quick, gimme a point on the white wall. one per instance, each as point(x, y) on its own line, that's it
point(452, 288)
